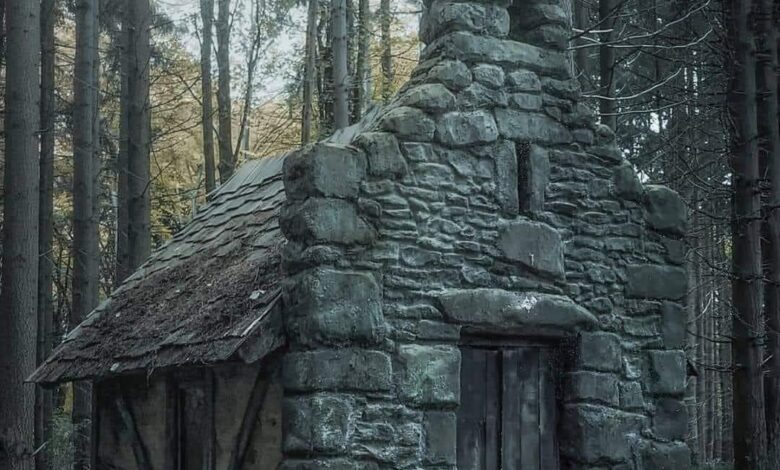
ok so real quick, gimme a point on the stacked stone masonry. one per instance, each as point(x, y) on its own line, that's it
point(485, 196)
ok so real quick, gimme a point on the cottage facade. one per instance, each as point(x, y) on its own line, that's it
point(472, 277)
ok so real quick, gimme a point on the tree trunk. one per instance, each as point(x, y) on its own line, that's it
point(226, 162)
point(310, 71)
point(582, 20)
point(607, 103)
point(385, 19)
point(85, 219)
point(769, 138)
point(361, 64)
point(748, 397)
point(43, 398)
point(338, 20)
point(137, 119)
point(325, 85)
point(207, 17)
point(18, 299)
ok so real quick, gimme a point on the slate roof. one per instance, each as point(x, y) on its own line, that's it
point(199, 298)
point(209, 295)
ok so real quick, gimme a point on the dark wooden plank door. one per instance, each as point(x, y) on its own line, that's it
point(507, 419)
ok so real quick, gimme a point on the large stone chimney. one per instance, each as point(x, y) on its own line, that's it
point(484, 210)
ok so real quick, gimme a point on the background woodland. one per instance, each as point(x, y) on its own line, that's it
point(141, 108)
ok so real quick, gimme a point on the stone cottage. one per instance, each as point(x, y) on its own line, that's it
point(471, 278)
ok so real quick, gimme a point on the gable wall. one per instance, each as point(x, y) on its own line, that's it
point(486, 197)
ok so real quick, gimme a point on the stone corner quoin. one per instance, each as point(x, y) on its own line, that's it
point(484, 198)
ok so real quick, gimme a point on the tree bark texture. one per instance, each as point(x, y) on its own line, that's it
point(227, 164)
point(18, 299)
point(385, 18)
point(207, 17)
point(362, 69)
point(310, 72)
point(139, 17)
point(748, 398)
point(340, 64)
point(769, 139)
point(607, 104)
point(48, 109)
point(86, 249)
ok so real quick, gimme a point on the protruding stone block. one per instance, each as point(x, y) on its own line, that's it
point(383, 154)
point(441, 438)
point(537, 170)
point(666, 456)
point(593, 387)
point(651, 281)
point(631, 397)
point(317, 220)
point(530, 127)
point(337, 369)
point(318, 423)
point(500, 308)
point(533, 244)
point(326, 170)
point(409, 123)
point(506, 174)
point(489, 75)
point(599, 351)
point(673, 325)
point(595, 433)
point(433, 97)
point(670, 420)
point(525, 81)
point(429, 375)
point(444, 16)
point(466, 128)
point(665, 210)
point(469, 47)
point(454, 74)
point(668, 372)
point(325, 306)
point(627, 183)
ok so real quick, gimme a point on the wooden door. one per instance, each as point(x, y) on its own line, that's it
point(508, 414)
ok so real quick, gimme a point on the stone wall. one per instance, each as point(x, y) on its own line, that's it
point(486, 198)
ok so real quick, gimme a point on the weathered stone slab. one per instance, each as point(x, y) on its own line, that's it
point(531, 127)
point(534, 244)
point(337, 369)
point(599, 351)
point(668, 372)
point(459, 129)
point(592, 387)
point(651, 281)
point(673, 325)
point(429, 375)
point(489, 75)
point(326, 170)
point(444, 16)
point(665, 210)
point(525, 81)
point(328, 464)
point(409, 123)
point(440, 437)
point(433, 97)
point(383, 154)
point(670, 420)
point(318, 220)
point(318, 423)
point(506, 174)
point(666, 456)
point(453, 74)
point(596, 434)
point(469, 47)
point(496, 307)
point(325, 306)
point(627, 183)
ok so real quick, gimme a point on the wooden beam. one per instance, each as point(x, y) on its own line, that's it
point(171, 423)
point(248, 424)
point(210, 450)
point(131, 431)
